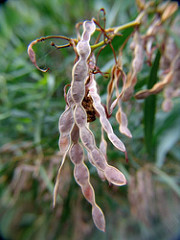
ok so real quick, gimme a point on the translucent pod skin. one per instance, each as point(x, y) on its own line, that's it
point(81, 175)
point(103, 119)
point(80, 70)
point(112, 174)
point(136, 67)
point(73, 125)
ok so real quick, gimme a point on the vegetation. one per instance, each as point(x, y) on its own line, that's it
point(142, 51)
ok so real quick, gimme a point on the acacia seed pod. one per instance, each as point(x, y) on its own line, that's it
point(76, 153)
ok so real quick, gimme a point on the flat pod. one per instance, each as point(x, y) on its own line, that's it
point(100, 172)
point(80, 70)
point(114, 176)
point(116, 142)
point(98, 218)
point(81, 173)
point(76, 153)
point(88, 192)
point(75, 134)
point(90, 27)
point(98, 159)
point(103, 119)
point(66, 121)
point(87, 138)
point(80, 116)
point(70, 99)
point(83, 49)
point(64, 142)
point(123, 122)
point(78, 91)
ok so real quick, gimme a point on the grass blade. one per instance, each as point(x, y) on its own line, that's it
point(150, 107)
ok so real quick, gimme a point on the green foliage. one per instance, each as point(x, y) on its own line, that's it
point(150, 107)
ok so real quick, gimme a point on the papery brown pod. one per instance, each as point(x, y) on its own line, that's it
point(137, 64)
point(175, 66)
point(103, 119)
point(169, 10)
point(123, 122)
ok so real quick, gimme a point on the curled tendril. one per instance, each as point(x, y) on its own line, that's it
point(32, 54)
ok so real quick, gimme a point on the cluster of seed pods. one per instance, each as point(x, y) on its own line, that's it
point(84, 102)
point(75, 133)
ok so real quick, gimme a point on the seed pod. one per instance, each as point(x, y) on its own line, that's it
point(75, 134)
point(123, 122)
point(114, 176)
point(100, 172)
point(98, 218)
point(66, 121)
point(137, 64)
point(80, 116)
point(110, 88)
point(76, 153)
point(81, 175)
point(103, 119)
point(160, 85)
point(87, 138)
point(170, 9)
point(80, 70)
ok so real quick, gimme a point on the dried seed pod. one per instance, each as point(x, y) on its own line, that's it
point(87, 138)
point(80, 116)
point(66, 121)
point(110, 88)
point(123, 122)
point(117, 72)
point(137, 64)
point(175, 66)
point(76, 153)
point(103, 119)
point(73, 125)
point(80, 70)
point(114, 176)
point(170, 9)
point(81, 175)
point(75, 134)
point(98, 217)
point(100, 172)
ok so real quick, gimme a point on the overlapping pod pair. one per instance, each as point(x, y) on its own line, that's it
point(74, 128)
point(117, 74)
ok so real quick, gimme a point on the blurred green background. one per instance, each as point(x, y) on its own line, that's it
point(30, 105)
